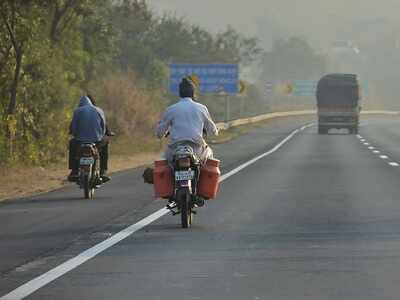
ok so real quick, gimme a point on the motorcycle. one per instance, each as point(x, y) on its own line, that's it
point(89, 169)
point(186, 174)
point(185, 181)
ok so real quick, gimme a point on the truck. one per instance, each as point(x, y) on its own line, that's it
point(338, 103)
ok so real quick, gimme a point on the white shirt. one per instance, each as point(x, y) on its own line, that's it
point(185, 121)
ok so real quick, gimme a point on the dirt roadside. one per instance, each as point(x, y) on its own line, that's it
point(16, 183)
point(22, 182)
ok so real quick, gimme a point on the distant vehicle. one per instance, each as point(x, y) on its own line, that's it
point(338, 101)
point(342, 44)
point(89, 177)
point(89, 170)
point(345, 46)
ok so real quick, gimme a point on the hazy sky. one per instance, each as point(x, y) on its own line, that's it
point(319, 21)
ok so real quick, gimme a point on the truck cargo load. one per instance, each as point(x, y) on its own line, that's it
point(338, 103)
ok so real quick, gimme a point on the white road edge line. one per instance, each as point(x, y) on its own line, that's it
point(394, 164)
point(381, 156)
point(44, 279)
point(376, 151)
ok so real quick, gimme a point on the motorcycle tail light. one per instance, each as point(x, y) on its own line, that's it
point(184, 162)
point(85, 168)
point(86, 151)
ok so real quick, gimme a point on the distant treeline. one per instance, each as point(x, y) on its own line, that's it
point(53, 51)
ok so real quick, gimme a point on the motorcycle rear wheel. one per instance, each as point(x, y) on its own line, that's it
point(184, 199)
point(87, 187)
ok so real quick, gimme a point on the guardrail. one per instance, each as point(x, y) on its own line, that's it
point(274, 115)
point(264, 117)
point(380, 112)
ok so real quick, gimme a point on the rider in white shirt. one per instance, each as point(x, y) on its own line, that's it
point(186, 121)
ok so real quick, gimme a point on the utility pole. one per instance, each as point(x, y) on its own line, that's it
point(227, 108)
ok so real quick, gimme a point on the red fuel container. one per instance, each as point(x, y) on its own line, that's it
point(209, 179)
point(163, 185)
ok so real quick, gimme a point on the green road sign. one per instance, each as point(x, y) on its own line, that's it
point(304, 88)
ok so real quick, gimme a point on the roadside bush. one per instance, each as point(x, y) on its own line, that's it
point(131, 110)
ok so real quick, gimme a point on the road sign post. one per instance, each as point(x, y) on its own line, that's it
point(227, 108)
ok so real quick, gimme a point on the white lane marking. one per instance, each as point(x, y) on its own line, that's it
point(305, 127)
point(245, 165)
point(393, 163)
point(44, 279)
point(35, 284)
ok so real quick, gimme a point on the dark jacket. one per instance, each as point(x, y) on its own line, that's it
point(88, 123)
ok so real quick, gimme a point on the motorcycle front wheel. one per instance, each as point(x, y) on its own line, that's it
point(184, 199)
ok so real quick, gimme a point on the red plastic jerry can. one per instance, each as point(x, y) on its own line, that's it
point(163, 185)
point(209, 179)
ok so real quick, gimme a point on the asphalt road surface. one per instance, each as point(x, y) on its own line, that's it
point(316, 218)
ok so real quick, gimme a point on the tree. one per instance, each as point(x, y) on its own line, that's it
point(20, 22)
point(133, 24)
point(53, 51)
point(235, 48)
point(292, 59)
point(65, 13)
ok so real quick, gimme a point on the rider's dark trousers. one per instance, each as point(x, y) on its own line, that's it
point(73, 163)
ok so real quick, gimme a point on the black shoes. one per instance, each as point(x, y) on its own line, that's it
point(199, 201)
point(104, 176)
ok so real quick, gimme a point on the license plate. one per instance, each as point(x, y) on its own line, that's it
point(85, 161)
point(184, 175)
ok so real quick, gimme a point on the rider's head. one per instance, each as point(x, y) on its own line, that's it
point(92, 99)
point(186, 88)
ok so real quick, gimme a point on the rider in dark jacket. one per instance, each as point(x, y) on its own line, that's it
point(88, 125)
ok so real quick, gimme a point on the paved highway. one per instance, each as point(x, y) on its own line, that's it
point(316, 218)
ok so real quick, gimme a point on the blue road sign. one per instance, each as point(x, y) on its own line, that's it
point(213, 77)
